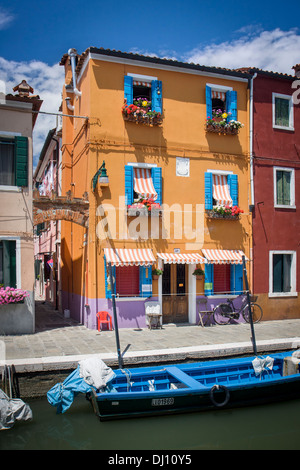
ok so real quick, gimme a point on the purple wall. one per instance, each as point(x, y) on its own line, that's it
point(131, 314)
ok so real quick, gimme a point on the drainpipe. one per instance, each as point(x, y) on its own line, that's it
point(73, 54)
point(69, 105)
point(251, 139)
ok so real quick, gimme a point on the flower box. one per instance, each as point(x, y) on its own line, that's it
point(227, 212)
point(214, 215)
point(220, 129)
point(143, 211)
point(141, 113)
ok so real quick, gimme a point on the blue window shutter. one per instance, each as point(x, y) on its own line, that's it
point(21, 161)
point(208, 191)
point(236, 279)
point(128, 185)
point(208, 102)
point(156, 96)
point(128, 89)
point(157, 183)
point(146, 280)
point(209, 279)
point(108, 287)
point(231, 105)
point(232, 181)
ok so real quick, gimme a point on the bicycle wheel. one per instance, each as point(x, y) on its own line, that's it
point(257, 313)
point(222, 314)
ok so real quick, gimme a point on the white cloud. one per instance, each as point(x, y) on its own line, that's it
point(275, 51)
point(47, 82)
point(5, 18)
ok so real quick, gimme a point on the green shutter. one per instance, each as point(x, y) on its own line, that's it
point(21, 159)
point(282, 112)
point(9, 263)
point(283, 187)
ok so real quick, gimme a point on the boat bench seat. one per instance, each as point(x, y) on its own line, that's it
point(184, 378)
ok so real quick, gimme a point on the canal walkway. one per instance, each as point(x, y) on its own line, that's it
point(59, 343)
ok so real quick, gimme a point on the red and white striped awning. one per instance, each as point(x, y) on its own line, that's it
point(129, 257)
point(143, 184)
point(181, 258)
point(140, 83)
point(220, 95)
point(224, 256)
point(221, 191)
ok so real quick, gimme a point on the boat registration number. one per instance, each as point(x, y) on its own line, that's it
point(162, 401)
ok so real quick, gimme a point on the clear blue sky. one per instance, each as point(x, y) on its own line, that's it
point(44, 30)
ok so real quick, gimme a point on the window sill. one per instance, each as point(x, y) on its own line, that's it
point(284, 128)
point(283, 294)
point(15, 189)
point(282, 206)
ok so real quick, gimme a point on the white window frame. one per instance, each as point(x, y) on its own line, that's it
point(293, 292)
point(292, 204)
point(18, 257)
point(291, 111)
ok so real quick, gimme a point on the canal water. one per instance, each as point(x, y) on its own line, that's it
point(274, 426)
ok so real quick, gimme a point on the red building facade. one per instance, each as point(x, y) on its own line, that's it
point(275, 163)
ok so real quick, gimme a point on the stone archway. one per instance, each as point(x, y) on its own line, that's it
point(60, 208)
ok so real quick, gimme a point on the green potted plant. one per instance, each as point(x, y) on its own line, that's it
point(156, 273)
point(199, 273)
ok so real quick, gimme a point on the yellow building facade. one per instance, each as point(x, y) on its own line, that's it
point(178, 190)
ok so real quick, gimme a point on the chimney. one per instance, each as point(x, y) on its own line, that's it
point(297, 70)
point(23, 89)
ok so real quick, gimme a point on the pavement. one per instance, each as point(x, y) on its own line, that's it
point(59, 343)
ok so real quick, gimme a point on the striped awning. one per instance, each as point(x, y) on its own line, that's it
point(218, 94)
point(143, 184)
point(140, 83)
point(223, 256)
point(221, 191)
point(181, 258)
point(129, 257)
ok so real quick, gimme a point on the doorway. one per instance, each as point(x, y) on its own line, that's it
point(175, 304)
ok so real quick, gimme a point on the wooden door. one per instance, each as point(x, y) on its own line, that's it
point(175, 293)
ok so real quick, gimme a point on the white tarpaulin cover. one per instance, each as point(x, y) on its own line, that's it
point(11, 410)
point(261, 364)
point(95, 372)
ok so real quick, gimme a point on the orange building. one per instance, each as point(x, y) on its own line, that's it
point(160, 148)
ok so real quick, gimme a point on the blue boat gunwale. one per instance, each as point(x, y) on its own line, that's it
point(192, 386)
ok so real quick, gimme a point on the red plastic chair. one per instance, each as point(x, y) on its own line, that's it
point(105, 318)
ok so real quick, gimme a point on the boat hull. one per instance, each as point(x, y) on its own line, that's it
point(206, 386)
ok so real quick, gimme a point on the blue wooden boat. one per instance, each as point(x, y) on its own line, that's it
point(192, 387)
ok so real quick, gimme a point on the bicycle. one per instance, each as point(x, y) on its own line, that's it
point(225, 312)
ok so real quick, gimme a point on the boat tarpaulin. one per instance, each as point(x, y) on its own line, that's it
point(90, 373)
point(11, 410)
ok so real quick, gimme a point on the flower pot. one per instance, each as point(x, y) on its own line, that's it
point(155, 276)
point(199, 277)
